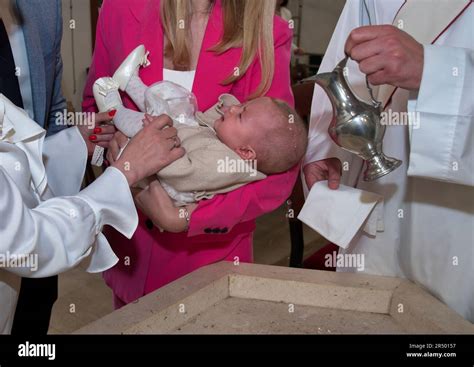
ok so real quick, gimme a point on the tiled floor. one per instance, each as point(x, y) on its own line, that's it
point(84, 297)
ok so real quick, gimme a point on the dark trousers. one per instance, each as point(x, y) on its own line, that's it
point(35, 303)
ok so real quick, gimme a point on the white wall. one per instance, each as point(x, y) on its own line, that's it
point(319, 18)
point(74, 74)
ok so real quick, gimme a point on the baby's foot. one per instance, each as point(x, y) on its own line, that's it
point(106, 94)
point(130, 66)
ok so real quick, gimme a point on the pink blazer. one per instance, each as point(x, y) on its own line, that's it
point(221, 228)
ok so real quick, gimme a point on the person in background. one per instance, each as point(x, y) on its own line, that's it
point(285, 14)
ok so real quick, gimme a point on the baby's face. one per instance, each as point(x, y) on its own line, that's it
point(239, 125)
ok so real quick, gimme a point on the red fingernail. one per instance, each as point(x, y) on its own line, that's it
point(97, 130)
point(92, 138)
point(112, 113)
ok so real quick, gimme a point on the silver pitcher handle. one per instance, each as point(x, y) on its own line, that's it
point(374, 101)
point(366, 13)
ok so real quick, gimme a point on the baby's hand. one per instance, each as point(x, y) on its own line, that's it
point(158, 206)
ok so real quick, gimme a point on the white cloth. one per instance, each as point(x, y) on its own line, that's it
point(345, 212)
point(182, 78)
point(429, 200)
point(52, 234)
point(172, 99)
point(18, 46)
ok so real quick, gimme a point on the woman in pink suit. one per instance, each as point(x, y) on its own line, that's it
point(220, 228)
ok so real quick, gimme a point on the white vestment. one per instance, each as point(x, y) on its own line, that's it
point(428, 223)
point(42, 235)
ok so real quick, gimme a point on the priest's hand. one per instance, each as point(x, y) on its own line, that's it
point(325, 169)
point(387, 55)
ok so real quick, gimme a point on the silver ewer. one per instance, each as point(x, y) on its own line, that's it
point(356, 125)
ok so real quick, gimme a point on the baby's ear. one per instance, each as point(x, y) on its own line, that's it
point(246, 152)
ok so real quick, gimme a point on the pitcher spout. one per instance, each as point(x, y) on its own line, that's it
point(326, 79)
point(323, 80)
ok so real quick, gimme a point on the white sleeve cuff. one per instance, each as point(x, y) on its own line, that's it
point(110, 198)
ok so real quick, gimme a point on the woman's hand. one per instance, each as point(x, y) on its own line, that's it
point(325, 169)
point(97, 131)
point(152, 149)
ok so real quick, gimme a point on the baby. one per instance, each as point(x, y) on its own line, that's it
point(224, 145)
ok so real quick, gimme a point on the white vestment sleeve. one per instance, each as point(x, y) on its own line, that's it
point(65, 158)
point(442, 139)
point(62, 231)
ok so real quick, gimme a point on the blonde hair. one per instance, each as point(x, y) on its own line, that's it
point(247, 24)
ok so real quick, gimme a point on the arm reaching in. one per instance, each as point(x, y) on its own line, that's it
point(325, 169)
point(155, 201)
